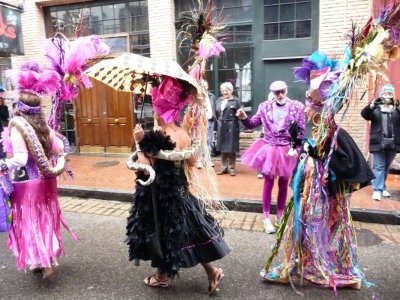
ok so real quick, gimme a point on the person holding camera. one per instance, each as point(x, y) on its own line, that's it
point(384, 142)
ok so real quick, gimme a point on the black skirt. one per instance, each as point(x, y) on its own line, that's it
point(188, 234)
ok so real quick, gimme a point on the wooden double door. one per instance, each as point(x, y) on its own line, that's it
point(104, 120)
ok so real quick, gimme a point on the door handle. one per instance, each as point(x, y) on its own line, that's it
point(116, 120)
point(89, 120)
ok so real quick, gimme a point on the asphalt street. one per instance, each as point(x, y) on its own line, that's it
point(97, 267)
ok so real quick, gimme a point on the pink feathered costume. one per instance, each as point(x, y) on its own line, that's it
point(269, 155)
point(35, 233)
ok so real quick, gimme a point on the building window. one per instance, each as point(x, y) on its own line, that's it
point(67, 124)
point(287, 19)
point(235, 65)
point(104, 18)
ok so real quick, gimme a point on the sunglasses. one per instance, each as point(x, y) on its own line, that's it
point(279, 92)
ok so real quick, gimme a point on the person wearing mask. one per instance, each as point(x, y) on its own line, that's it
point(384, 142)
point(227, 129)
point(269, 154)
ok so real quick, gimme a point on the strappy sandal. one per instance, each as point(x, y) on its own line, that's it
point(152, 281)
point(214, 282)
point(273, 276)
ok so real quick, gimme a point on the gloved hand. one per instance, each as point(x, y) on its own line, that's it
point(312, 151)
point(294, 131)
point(377, 101)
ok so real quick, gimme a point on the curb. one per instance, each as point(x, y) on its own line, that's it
point(245, 205)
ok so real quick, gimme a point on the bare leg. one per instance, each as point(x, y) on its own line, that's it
point(214, 276)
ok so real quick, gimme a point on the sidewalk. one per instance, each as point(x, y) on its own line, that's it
point(111, 179)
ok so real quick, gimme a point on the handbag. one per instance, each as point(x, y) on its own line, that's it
point(153, 243)
point(388, 144)
point(214, 152)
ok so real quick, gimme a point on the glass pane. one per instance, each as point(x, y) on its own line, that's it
point(139, 40)
point(286, 30)
point(271, 13)
point(97, 27)
point(228, 36)
point(120, 25)
point(224, 3)
point(244, 14)
point(107, 12)
point(144, 6)
point(108, 27)
point(267, 2)
point(287, 12)
point(85, 29)
point(140, 23)
point(288, 1)
point(303, 29)
point(228, 15)
point(271, 31)
point(134, 8)
point(120, 10)
point(96, 14)
point(243, 33)
point(303, 11)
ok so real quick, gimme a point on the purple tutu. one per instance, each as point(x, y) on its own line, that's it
point(269, 160)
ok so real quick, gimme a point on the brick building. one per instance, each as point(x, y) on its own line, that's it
point(265, 39)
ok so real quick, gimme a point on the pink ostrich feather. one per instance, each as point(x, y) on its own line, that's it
point(82, 50)
point(6, 140)
point(44, 82)
point(207, 50)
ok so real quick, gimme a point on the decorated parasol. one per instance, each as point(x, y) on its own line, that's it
point(128, 72)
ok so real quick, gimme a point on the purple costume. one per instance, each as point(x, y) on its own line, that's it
point(270, 153)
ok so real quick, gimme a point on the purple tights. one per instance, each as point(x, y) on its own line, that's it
point(267, 194)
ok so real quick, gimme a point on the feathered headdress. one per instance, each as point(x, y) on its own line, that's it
point(31, 78)
point(69, 60)
point(198, 28)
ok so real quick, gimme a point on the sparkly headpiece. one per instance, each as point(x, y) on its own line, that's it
point(29, 110)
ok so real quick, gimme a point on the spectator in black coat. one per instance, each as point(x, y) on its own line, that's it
point(384, 142)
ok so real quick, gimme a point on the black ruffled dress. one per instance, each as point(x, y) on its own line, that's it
point(188, 234)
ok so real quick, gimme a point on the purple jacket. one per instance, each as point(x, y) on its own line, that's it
point(272, 134)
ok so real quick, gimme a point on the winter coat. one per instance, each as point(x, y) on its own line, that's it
point(228, 126)
point(376, 135)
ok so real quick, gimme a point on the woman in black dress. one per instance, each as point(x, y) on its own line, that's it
point(188, 235)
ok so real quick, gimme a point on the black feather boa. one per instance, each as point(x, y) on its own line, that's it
point(154, 141)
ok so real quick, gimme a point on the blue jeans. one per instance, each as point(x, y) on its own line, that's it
point(382, 161)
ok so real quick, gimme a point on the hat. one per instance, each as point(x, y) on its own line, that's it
point(278, 86)
point(321, 82)
point(387, 88)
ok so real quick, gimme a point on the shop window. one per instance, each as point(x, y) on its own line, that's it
point(103, 18)
point(67, 124)
point(287, 19)
point(235, 65)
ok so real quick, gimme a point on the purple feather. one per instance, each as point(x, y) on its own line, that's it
point(30, 65)
point(302, 74)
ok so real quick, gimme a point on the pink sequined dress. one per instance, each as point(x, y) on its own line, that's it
point(269, 154)
point(35, 233)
